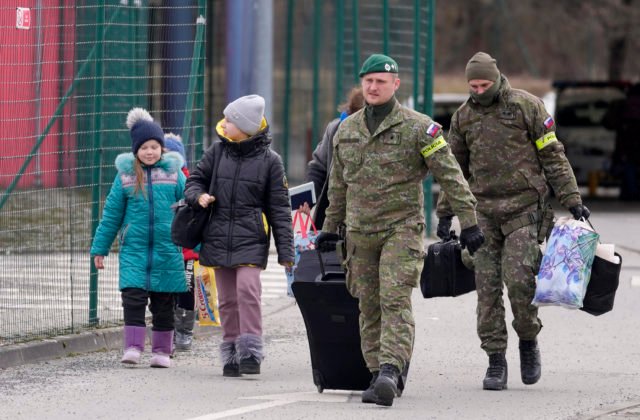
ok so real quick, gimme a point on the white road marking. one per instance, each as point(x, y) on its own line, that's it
point(308, 396)
point(277, 400)
point(243, 410)
point(635, 281)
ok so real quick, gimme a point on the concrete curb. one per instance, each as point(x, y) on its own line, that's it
point(71, 345)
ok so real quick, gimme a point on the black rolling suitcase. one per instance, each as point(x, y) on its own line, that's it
point(330, 315)
point(443, 273)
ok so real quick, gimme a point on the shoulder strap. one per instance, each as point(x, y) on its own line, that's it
point(216, 162)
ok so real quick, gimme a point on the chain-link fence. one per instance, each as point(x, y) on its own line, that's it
point(71, 70)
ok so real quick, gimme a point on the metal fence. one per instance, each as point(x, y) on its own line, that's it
point(323, 45)
point(72, 70)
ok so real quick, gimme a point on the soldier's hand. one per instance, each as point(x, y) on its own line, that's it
point(326, 241)
point(444, 227)
point(471, 238)
point(580, 211)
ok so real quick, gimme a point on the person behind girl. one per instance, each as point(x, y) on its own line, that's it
point(138, 208)
point(250, 201)
point(185, 315)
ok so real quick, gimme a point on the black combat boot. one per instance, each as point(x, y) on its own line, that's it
point(530, 367)
point(496, 377)
point(386, 386)
point(369, 395)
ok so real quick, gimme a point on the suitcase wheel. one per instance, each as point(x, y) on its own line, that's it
point(318, 380)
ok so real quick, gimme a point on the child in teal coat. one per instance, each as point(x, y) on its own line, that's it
point(138, 210)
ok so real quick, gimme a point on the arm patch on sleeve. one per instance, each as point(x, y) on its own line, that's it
point(546, 140)
point(438, 144)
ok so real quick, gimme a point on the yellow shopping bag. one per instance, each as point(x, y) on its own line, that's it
point(206, 295)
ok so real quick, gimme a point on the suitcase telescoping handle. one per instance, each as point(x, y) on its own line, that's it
point(319, 253)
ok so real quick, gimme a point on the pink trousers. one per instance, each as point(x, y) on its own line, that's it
point(239, 291)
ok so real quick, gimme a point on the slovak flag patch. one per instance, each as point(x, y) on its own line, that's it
point(548, 123)
point(432, 129)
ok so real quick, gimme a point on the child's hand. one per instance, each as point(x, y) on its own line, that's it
point(288, 266)
point(304, 208)
point(98, 261)
point(205, 199)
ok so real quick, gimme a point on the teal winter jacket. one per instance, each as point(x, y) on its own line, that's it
point(148, 258)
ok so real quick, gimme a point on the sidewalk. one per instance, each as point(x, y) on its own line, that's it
point(106, 339)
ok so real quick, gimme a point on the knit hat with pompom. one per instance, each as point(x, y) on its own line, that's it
point(143, 128)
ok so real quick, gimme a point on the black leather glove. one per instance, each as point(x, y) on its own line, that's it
point(444, 227)
point(580, 211)
point(326, 241)
point(471, 238)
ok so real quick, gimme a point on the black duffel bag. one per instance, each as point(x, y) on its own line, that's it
point(443, 273)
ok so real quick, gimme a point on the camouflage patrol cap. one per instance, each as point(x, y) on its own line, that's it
point(378, 63)
point(482, 67)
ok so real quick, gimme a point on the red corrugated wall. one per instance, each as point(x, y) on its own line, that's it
point(36, 68)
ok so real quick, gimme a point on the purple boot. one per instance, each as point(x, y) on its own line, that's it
point(133, 344)
point(162, 342)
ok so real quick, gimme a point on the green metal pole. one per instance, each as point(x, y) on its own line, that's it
point(416, 53)
point(211, 52)
point(385, 27)
point(57, 113)
point(356, 40)
point(317, 32)
point(428, 103)
point(287, 84)
point(339, 51)
point(199, 106)
point(97, 157)
point(193, 77)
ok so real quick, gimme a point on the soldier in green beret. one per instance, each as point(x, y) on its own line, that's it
point(505, 142)
point(381, 154)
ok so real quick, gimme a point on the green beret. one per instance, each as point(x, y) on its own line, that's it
point(378, 63)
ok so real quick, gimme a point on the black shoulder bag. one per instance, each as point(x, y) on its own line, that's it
point(189, 223)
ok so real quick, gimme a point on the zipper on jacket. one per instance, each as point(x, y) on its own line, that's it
point(233, 212)
point(151, 229)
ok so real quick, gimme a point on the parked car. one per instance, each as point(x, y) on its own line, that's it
point(444, 105)
point(581, 108)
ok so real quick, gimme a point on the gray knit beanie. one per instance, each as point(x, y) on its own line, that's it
point(483, 67)
point(246, 113)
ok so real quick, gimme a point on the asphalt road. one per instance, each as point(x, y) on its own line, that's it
point(591, 367)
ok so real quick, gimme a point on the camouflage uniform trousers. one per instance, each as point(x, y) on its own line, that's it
point(513, 261)
point(382, 270)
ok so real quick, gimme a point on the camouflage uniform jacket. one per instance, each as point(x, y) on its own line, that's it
point(376, 180)
point(508, 151)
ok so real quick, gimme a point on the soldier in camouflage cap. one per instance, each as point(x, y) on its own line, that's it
point(381, 154)
point(505, 142)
